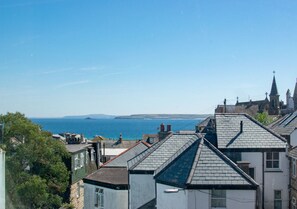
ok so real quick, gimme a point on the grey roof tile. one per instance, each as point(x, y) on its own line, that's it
point(286, 125)
point(202, 164)
point(253, 134)
point(162, 152)
point(121, 159)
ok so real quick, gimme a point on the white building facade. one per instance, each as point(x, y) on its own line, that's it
point(2, 179)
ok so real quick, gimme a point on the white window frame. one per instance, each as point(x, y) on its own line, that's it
point(99, 198)
point(82, 159)
point(293, 167)
point(218, 198)
point(76, 162)
point(272, 160)
point(278, 199)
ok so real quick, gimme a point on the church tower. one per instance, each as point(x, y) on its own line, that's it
point(274, 99)
point(295, 96)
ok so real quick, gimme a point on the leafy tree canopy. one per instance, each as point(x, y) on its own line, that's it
point(36, 176)
point(264, 118)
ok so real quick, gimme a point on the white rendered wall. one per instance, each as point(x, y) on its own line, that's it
point(193, 199)
point(112, 198)
point(273, 180)
point(277, 181)
point(176, 200)
point(2, 179)
point(142, 189)
point(293, 138)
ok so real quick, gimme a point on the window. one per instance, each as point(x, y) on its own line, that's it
point(272, 160)
point(82, 159)
point(92, 155)
point(277, 199)
point(294, 167)
point(293, 203)
point(99, 198)
point(87, 157)
point(218, 198)
point(76, 162)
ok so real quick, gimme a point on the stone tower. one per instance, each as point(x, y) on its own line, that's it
point(274, 99)
point(295, 96)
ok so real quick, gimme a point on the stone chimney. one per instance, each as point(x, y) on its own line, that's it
point(162, 133)
point(168, 128)
point(244, 165)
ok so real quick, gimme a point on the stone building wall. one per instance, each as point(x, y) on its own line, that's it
point(77, 195)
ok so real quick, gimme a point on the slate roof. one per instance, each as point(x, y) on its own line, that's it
point(114, 178)
point(162, 152)
point(121, 159)
point(253, 135)
point(203, 166)
point(293, 152)
point(286, 125)
point(73, 148)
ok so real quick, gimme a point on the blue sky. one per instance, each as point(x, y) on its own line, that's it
point(68, 57)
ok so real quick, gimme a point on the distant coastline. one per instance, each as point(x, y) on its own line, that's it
point(164, 116)
point(140, 116)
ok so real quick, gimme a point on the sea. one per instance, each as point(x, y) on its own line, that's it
point(131, 129)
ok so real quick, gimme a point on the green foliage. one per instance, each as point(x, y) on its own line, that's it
point(264, 118)
point(36, 176)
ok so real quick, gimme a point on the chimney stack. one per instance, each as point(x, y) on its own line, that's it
point(168, 128)
point(162, 127)
point(241, 126)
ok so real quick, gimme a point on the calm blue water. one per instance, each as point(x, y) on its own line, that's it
point(111, 128)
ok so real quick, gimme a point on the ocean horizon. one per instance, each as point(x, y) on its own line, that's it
point(131, 129)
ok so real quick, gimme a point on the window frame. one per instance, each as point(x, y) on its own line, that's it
point(218, 198)
point(271, 161)
point(277, 199)
point(76, 162)
point(99, 198)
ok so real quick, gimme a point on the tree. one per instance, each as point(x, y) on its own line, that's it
point(264, 118)
point(36, 176)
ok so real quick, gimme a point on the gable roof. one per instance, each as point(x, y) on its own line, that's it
point(253, 135)
point(162, 152)
point(121, 159)
point(202, 166)
point(286, 125)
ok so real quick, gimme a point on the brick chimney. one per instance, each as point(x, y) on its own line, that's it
point(162, 133)
point(244, 165)
point(168, 128)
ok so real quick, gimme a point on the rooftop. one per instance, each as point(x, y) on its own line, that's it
point(73, 148)
point(285, 125)
point(203, 166)
point(162, 152)
point(251, 135)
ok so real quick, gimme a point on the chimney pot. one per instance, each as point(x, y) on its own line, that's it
point(168, 128)
point(162, 127)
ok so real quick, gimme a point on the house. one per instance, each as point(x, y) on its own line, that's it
point(2, 178)
point(108, 186)
point(143, 167)
point(83, 161)
point(260, 152)
point(287, 128)
point(293, 178)
point(203, 177)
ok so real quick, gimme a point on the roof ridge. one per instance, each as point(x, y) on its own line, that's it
point(195, 162)
point(148, 152)
point(176, 155)
point(231, 163)
point(266, 128)
point(112, 159)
